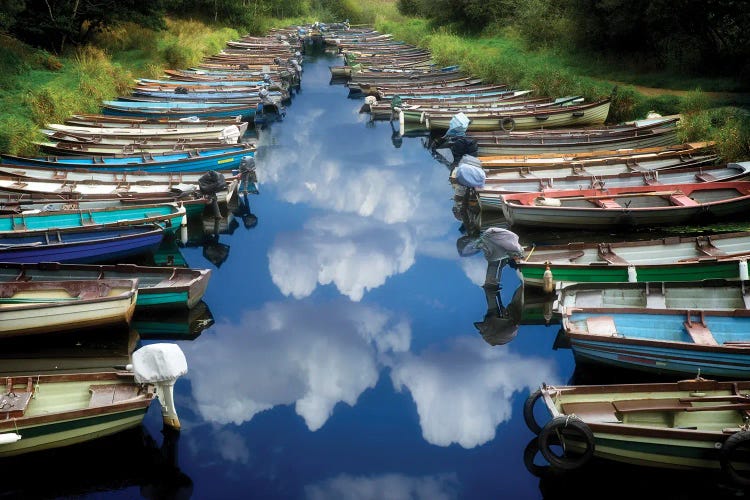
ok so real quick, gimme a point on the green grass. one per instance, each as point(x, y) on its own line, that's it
point(708, 114)
point(37, 88)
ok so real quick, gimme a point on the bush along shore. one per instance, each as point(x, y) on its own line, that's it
point(498, 59)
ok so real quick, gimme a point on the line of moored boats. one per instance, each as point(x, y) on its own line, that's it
point(676, 306)
point(112, 186)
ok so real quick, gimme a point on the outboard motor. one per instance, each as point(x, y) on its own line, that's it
point(470, 173)
point(248, 174)
point(498, 243)
point(230, 135)
point(161, 365)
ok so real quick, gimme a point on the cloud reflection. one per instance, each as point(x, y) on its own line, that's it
point(353, 253)
point(309, 355)
point(385, 487)
point(464, 391)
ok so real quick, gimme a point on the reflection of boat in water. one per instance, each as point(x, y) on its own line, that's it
point(173, 325)
point(133, 458)
point(67, 353)
point(205, 232)
point(500, 323)
point(599, 474)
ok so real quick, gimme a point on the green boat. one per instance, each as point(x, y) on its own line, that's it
point(39, 412)
point(691, 424)
point(164, 287)
point(668, 259)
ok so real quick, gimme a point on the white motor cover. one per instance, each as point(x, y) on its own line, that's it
point(497, 243)
point(159, 363)
point(459, 123)
point(231, 134)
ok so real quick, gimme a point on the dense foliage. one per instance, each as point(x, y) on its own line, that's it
point(686, 35)
point(55, 24)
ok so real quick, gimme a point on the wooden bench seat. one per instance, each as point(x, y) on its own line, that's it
point(607, 203)
point(673, 404)
point(683, 201)
point(642, 405)
point(107, 394)
point(605, 253)
point(600, 411)
point(14, 400)
point(698, 330)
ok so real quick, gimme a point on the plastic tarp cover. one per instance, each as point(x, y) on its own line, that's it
point(498, 243)
point(159, 363)
point(230, 134)
point(470, 175)
point(212, 182)
point(458, 125)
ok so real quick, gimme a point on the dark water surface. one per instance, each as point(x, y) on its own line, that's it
point(344, 361)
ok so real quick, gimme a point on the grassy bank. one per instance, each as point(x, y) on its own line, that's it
point(38, 88)
point(505, 59)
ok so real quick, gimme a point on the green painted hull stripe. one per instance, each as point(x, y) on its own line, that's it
point(69, 425)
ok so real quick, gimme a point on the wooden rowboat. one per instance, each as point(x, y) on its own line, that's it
point(594, 113)
point(660, 205)
point(214, 159)
point(88, 244)
point(632, 159)
point(674, 328)
point(40, 412)
point(173, 287)
point(34, 307)
point(93, 214)
point(694, 424)
point(490, 197)
point(668, 259)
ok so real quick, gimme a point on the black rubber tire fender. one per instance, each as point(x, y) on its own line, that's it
point(528, 412)
point(507, 124)
point(553, 434)
point(730, 446)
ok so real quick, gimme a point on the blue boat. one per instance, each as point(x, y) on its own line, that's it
point(193, 161)
point(675, 328)
point(82, 245)
point(177, 109)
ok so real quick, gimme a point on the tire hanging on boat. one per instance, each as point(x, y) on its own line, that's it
point(528, 412)
point(507, 124)
point(554, 434)
point(732, 446)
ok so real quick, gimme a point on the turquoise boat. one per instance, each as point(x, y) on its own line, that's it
point(674, 328)
point(177, 109)
point(169, 216)
point(194, 161)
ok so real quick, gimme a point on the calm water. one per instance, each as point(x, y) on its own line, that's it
point(343, 360)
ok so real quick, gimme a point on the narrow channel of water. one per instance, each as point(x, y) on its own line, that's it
point(346, 358)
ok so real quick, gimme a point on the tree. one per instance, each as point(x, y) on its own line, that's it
point(53, 24)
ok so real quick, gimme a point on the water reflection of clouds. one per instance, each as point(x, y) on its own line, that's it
point(309, 355)
point(399, 199)
point(390, 486)
point(464, 391)
point(353, 253)
point(317, 355)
